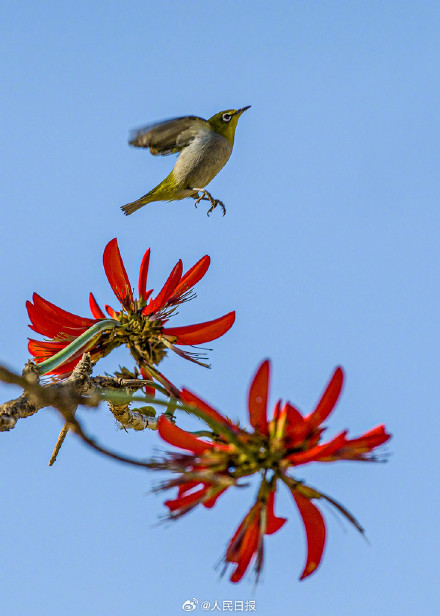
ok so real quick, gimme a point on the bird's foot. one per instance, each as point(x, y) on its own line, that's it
point(206, 196)
point(214, 204)
point(198, 199)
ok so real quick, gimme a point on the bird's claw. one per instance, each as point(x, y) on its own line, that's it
point(205, 196)
point(215, 203)
point(198, 199)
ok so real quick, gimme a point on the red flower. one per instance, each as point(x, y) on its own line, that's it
point(273, 448)
point(140, 323)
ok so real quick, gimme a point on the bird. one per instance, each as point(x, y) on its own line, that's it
point(204, 147)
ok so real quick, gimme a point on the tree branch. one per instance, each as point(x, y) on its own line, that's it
point(80, 388)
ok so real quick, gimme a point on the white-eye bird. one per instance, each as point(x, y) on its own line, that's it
point(205, 147)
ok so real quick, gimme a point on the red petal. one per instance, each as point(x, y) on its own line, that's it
point(248, 547)
point(354, 449)
point(202, 332)
point(328, 400)
point(320, 452)
point(277, 412)
point(190, 398)
point(43, 324)
point(210, 502)
point(116, 274)
point(193, 275)
point(371, 439)
point(143, 273)
point(257, 401)
point(186, 487)
point(236, 543)
point(233, 548)
point(186, 501)
point(273, 524)
point(296, 429)
point(149, 390)
point(59, 315)
point(315, 531)
point(95, 309)
point(111, 312)
point(166, 291)
point(295, 422)
point(42, 350)
point(174, 435)
point(50, 320)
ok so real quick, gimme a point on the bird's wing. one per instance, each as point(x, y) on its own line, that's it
point(168, 137)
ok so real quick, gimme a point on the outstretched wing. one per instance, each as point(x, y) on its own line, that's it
point(168, 137)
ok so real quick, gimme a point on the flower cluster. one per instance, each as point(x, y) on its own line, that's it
point(207, 463)
point(140, 323)
point(272, 449)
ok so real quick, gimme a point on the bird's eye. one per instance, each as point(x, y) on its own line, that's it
point(226, 117)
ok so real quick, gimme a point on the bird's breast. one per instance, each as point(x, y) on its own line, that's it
point(201, 160)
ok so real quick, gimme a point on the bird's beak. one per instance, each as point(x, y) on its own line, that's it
point(242, 110)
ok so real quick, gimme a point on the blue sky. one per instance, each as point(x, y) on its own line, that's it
point(328, 253)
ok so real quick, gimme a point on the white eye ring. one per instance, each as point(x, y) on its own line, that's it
point(226, 117)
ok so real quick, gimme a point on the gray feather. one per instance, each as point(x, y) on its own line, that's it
point(168, 137)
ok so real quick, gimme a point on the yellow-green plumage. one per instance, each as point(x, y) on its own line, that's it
point(205, 147)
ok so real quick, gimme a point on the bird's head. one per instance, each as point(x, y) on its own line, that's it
point(225, 122)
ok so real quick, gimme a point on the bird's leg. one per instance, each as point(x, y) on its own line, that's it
point(206, 196)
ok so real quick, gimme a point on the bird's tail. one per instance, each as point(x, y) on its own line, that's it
point(129, 208)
